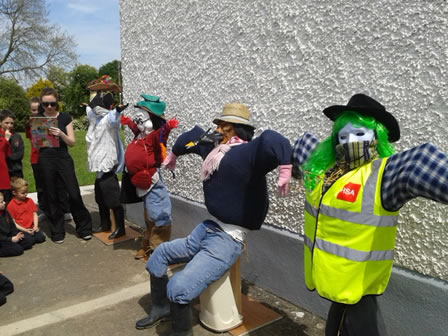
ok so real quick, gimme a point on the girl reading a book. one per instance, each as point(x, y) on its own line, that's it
point(56, 166)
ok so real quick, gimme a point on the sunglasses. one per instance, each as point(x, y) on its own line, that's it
point(52, 104)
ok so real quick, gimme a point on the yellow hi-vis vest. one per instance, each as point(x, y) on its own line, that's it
point(349, 236)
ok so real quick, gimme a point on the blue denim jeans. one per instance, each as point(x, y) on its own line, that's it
point(208, 252)
point(158, 204)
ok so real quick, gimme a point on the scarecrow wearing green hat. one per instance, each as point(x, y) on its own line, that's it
point(143, 158)
point(355, 186)
point(105, 152)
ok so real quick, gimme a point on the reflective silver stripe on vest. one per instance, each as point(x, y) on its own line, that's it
point(308, 243)
point(358, 218)
point(310, 209)
point(366, 217)
point(352, 254)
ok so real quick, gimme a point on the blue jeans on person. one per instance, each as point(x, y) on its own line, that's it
point(208, 251)
point(158, 204)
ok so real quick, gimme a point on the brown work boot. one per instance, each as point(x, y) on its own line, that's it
point(142, 253)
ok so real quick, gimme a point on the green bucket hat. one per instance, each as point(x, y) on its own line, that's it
point(152, 104)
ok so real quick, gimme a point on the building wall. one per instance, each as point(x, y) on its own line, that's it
point(288, 61)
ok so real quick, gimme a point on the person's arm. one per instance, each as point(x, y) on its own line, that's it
point(35, 222)
point(21, 228)
point(421, 171)
point(68, 138)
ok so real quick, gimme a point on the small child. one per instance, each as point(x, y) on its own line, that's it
point(12, 242)
point(24, 212)
point(14, 160)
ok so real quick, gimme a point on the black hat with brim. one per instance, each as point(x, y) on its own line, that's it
point(367, 106)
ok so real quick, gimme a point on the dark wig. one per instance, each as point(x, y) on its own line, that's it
point(244, 132)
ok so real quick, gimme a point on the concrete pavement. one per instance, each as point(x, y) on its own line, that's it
point(85, 287)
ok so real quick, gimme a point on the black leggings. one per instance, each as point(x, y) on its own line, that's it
point(56, 169)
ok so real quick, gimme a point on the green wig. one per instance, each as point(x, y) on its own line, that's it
point(324, 156)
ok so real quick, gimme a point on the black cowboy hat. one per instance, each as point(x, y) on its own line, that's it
point(368, 106)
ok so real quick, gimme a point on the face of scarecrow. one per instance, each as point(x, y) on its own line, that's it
point(144, 124)
point(226, 129)
point(351, 133)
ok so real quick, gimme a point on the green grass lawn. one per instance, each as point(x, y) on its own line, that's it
point(78, 153)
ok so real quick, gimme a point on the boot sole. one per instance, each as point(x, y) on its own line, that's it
point(155, 324)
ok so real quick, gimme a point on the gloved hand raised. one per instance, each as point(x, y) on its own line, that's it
point(284, 175)
point(121, 108)
point(170, 161)
point(173, 123)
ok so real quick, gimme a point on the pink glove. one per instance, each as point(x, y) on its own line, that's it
point(170, 161)
point(284, 175)
point(173, 123)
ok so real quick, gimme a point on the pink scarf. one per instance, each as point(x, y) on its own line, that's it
point(213, 159)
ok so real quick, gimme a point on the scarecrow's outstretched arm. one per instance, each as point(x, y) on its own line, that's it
point(421, 171)
point(301, 151)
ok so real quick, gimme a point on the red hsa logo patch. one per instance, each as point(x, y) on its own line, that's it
point(349, 192)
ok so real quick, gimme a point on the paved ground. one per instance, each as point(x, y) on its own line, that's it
point(88, 288)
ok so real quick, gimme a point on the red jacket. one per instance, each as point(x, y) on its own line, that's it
point(145, 153)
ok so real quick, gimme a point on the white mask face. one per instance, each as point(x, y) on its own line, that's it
point(350, 133)
point(147, 126)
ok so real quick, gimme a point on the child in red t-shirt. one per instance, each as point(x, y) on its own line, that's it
point(23, 210)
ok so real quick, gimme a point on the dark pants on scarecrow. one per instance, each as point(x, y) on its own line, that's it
point(360, 319)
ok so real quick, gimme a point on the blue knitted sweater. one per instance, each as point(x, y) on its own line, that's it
point(237, 192)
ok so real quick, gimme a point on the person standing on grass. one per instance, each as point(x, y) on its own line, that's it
point(56, 167)
point(23, 210)
point(14, 160)
point(34, 158)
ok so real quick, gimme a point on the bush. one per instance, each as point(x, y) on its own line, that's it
point(81, 123)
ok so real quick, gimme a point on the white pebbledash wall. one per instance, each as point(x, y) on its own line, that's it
point(288, 60)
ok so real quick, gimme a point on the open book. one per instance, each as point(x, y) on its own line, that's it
point(40, 136)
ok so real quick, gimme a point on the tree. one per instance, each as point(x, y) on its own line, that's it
point(76, 91)
point(35, 89)
point(12, 97)
point(60, 79)
point(29, 44)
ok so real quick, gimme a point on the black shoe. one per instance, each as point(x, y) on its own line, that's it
point(117, 233)
point(157, 315)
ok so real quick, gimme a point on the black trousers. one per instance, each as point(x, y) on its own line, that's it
point(56, 171)
point(6, 287)
point(62, 194)
point(107, 196)
point(10, 249)
point(361, 319)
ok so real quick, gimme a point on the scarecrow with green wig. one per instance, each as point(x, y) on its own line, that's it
point(355, 187)
point(143, 157)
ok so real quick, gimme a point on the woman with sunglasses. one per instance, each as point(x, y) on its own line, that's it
point(56, 166)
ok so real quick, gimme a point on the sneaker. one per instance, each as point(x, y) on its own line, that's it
point(87, 237)
point(59, 241)
point(68, 216)
point(42, 217)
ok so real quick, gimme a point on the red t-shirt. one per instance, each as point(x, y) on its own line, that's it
point(22, 212)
